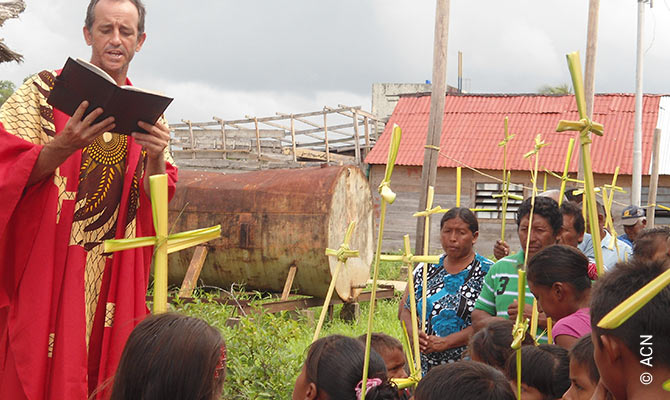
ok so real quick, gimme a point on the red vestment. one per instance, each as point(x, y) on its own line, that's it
point(46, 351)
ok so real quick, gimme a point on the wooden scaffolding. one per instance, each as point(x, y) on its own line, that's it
point(342, 135)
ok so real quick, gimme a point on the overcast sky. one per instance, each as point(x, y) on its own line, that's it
point(231, 58)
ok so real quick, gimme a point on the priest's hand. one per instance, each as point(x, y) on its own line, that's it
point(80, 131)
point(154, 141)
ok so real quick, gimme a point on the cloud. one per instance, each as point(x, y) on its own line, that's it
point(199, 102)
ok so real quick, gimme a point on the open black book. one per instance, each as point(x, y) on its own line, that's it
point(81, 80)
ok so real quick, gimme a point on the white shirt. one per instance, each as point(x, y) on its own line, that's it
point(609, 250)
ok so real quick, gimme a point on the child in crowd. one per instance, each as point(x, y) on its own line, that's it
point(390, 349)
point(171, 356)
point(558, 277)
point(464, 380)
point(491, 345)
point(633, 359)
point(333, 370)
point(545, 372)
point(652, 244)
point(393, 354)
point(584, 375)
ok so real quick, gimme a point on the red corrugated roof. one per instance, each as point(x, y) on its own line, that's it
point(473, 127)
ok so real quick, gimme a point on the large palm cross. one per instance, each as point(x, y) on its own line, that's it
point(164, 243)
point(585, 126)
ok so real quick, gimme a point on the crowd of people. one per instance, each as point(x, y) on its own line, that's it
point(69, 312)
point(463, 355)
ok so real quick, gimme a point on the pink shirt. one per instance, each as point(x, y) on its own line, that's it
point(576, 324)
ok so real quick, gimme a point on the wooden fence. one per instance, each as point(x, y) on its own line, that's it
point(342, 135)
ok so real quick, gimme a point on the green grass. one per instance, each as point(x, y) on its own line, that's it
point(266, 351)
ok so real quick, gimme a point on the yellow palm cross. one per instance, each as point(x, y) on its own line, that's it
point(164, 243)
point(342, 254)
point(585, 126)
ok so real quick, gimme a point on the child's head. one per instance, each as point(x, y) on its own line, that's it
point(464, 380)
point(652, 244)
point(558, 277)
point(545, 372)
point(491, 344)
point(334, 367)
point(390, 349)
point(584, 375)
point(620, 353)
point(171, 356)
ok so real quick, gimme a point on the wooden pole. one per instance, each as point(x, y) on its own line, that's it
point(357, 140)
point(325, 135)
point(653, 184)
point(293, 138)
point(437, 99)
point(366, 125)
point(190, 134)
point(636, 186)
point(590, 67)
point(258, 138)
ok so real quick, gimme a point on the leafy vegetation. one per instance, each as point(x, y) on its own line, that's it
point(563, 88)
point(266, 351)
point(6, 90)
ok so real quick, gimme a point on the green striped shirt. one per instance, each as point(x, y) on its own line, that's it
point(501, 288)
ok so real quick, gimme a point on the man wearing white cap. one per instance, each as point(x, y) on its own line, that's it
point(634, 220)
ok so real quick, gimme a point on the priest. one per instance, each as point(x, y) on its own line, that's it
point(66, 185)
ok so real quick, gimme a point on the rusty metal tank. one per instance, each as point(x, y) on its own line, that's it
point(274, 219)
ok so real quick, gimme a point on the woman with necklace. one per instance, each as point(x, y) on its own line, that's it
point(453, 286)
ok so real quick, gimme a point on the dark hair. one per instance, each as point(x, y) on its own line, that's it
point(171, 356)
point(545, 367)
point(141, 12)
point(570, 208)
point(646, 242)
point(492, 343)
point(545, 207)
point(335, 365)
point(381, 342)
point(582, 353)
point(617, 285)
point(560, 263)
point(464, 380)
point(463, 213)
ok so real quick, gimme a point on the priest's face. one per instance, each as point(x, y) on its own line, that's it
point(114, 37)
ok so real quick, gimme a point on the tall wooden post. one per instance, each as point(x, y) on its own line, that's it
point(590, 67)
point(437, 99)
point(653, 183)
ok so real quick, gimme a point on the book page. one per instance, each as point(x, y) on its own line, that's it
point(95, 69)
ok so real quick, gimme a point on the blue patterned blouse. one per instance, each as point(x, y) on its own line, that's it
point(450, 301)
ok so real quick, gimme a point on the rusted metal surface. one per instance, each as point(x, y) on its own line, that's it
point(271, 220)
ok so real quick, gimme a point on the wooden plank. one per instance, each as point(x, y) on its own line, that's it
point(286, 305)
point(258, 138)
point(281, 116)
point(357, 139)
point(193, 272)
point(325, 136)
point(289, 282)
point(366, 124)
point(293, 137)
point(437, 100)
point(234, 133)
point(319, 155)
point(653, 184)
